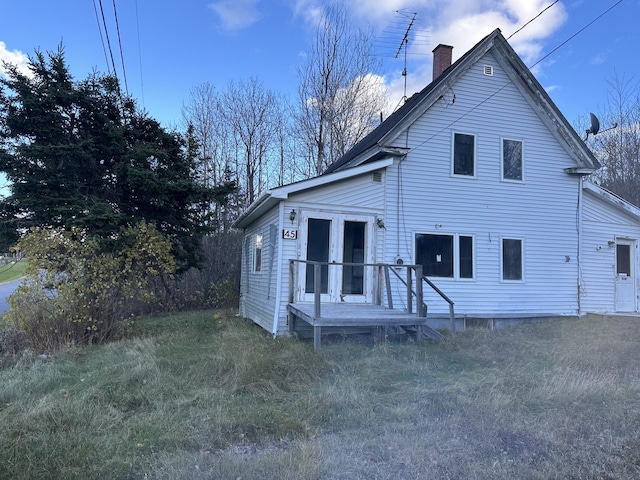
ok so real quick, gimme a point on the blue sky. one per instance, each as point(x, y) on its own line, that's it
point(171, 47)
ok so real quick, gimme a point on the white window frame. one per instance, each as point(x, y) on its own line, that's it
point(453, 155)
point(456, 254)
point(522, 260)
point(502, 177)
point(258, 252)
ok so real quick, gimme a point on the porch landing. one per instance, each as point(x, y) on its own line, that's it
point(356, 315)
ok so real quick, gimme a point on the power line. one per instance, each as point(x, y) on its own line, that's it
point(579, 31)
point(519, 74)
point(104, 49)
point(124, 72)
point(544, 10)
point(106, 33)
point(140, 55)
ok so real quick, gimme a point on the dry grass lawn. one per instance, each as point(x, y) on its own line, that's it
point(206, 395)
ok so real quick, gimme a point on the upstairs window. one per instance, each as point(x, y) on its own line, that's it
point(464, 147)
point(511, 159)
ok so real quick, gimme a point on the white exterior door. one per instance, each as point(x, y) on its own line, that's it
point(337, 239)
point(625, 281)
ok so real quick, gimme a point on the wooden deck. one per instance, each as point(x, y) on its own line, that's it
point(356, 315)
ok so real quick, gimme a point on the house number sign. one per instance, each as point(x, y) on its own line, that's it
point(290, 234)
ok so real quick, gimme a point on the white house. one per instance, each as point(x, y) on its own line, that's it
point(478, 180)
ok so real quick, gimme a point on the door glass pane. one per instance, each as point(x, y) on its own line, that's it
point(353, 276)
point(466, 256)
point(435, 254)
point(623, 260)
point(318, 235)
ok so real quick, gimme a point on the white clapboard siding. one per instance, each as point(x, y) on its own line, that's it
point(541, 210)
point(258, 299)
point(603, 223)
point(357, 192)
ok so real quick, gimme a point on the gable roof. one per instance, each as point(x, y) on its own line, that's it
point(375, 144)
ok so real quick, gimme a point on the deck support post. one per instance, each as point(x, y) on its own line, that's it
point(420, 306)
point(387, 281)
point(317, 335)
point(409, 292)
point(291, 318)
point(317, 272)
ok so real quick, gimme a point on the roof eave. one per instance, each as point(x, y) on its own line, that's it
point(612, 199)
point(272, 197)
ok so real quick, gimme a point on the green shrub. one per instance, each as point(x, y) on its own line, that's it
point(224, 294)
point(76, 290)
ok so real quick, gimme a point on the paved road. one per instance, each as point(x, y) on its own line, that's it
point(7, 289)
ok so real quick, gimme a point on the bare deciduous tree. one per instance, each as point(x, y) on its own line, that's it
point(215, 152)
point(340, 98)
point(251, 112)
point(618, 149)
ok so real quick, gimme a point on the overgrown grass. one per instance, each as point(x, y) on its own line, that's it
point(12, 271)
point(206, 395)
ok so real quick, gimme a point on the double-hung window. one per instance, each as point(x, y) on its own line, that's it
point(464, 153)
point(512, 160)
point(512, 256)
point(257, 254)
point(443, 255)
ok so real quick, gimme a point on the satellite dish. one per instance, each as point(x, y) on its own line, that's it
point(595, 126)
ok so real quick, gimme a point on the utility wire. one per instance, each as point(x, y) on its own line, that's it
point(140, 54)
point(548, 7)
point(106, 33)
point(519, 74)
point(579, 31)
point(104, 49)
point(124, 72)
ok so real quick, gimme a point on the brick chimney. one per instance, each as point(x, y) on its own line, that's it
point(441, 59)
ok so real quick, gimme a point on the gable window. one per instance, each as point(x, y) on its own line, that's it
point(511, 159)
point(512, 259)
point(464, 154)
point(257, 254)
point(448, 256)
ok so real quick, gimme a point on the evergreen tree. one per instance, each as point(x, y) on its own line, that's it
point(80, 154)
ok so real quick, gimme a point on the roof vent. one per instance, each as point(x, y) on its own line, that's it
point(488, 70)
point(377, 176)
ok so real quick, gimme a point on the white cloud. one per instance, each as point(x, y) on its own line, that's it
point(236, 14)
point(14, 57)
point(460, 23)
point(598, 59)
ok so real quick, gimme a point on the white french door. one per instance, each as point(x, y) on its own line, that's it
point(336, 238)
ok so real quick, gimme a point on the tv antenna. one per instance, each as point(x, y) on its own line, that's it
point(403, 45)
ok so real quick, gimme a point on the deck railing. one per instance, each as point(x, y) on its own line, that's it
point(382, 281)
